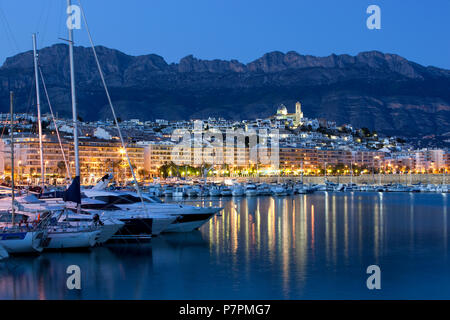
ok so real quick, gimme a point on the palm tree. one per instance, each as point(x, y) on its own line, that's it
point(61, 166)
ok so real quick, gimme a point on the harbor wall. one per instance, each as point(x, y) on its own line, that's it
point(362, 179)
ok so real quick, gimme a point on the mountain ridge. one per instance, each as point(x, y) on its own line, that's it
point(381, 91)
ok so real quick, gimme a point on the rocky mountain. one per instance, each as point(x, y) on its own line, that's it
point(383, 92)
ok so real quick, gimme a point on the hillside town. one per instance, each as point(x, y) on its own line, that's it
point(305, 147)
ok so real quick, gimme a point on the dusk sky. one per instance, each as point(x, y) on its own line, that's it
point(236, 29)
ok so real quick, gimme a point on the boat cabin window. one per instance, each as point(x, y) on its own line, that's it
point(7, 217)
point(126, 199)
point(98, 206)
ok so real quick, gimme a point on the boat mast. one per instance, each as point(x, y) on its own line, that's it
point(74, 108)
point(351, 171)
point(74, 102)
point(11, 96)
point(38, 103)
point(302, 171)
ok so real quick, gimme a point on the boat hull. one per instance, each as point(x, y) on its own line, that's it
point(109, 230)
point(71, 240)
point(22, 242)
point(189, 222)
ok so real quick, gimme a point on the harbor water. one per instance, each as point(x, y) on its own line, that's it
point(312, 246)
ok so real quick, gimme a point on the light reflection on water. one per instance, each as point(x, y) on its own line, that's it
point(306, 246)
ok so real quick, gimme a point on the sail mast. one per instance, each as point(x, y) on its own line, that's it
point(74, 102)
point(38, 103)
point(11, 95)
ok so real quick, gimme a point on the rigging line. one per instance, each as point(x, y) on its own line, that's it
point(110, 103)
point(9, 35)
point(60, 18)
point(41, 13)
point(44, 33)
point(30, 96)
point(54, 122)
point(9, 29)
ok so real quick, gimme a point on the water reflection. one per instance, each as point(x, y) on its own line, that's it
point(305, 246)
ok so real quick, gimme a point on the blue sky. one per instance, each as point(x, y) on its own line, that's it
point(237, 29)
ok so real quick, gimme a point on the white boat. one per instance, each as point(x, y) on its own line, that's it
point(168, 191)
point(179, 217)
point(263, 190)
point(193, 192)
point(63, 234)
point(19, 240)
point(179, 192)
point(21, 237)
point(214, 191)
point(303, 189)
point(350, 187)
point(155, 190)
point(70, 237)
point(251, 190)
point(237, 190)
point(279, 190)
point(124, 223)
point(398, 188)
point(63, 219)
point(330, 186)
point(226, 192)
point(203, 191)
point(108, 225)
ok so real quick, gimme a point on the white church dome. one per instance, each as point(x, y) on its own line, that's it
point(282, 109)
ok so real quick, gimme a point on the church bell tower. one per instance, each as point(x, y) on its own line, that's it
point(298, 113)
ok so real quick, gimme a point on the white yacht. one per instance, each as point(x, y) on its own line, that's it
point(263, 190)
point(58, 234)
point(133, 222)
point(20, 238)
point(179, 192)
point(214, 191)
point(66, 236)
point(168, 191)
point(279, 190)
point(303, 189)
point(184, 218)
point(129, 223)
point(238, 190)
point(193, 192)
point(62, 213)
point(250, 190)
point(226, 191)
point(108, 225)
point(155, 190)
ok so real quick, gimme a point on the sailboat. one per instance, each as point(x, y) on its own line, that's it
point(13, 237)
point(64, 235)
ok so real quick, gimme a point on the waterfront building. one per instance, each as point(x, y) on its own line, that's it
point(97, 157)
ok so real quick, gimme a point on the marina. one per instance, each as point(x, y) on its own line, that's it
point(305, 246)
point(143, 160)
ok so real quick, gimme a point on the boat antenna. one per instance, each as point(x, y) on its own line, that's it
point(11, 97)
point(110, 102)
point(38, 103)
